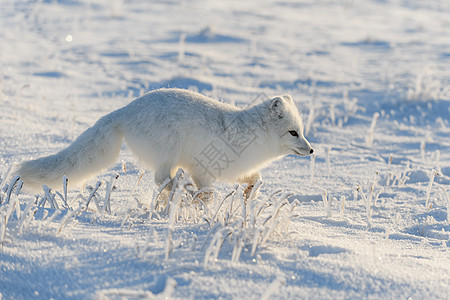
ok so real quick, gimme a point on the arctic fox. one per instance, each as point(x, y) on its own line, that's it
point(169, 129)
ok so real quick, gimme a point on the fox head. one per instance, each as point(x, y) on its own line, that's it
point(287, 127)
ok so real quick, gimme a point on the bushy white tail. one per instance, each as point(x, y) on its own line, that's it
point(95, 149)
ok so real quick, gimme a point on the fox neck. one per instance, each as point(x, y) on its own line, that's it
point(264, 145)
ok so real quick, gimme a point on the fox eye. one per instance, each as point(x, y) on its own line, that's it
point(293, 133)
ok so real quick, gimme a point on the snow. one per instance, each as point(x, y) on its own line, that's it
point(372, 79)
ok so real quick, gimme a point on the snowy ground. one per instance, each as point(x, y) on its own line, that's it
point(65, 63)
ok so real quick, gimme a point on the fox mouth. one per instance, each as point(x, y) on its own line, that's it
point(304, 151)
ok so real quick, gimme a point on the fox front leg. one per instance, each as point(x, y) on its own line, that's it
point(250, 180)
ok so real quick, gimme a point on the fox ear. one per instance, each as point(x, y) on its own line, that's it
point(288, 98)
point(277, 107)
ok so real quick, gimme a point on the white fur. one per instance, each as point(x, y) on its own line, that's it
point(171, 128)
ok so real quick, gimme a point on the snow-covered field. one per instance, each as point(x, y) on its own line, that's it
point(366, 217)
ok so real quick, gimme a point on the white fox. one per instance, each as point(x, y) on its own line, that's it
point(169, 129)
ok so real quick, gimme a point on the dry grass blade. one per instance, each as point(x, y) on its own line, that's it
point(91, 195)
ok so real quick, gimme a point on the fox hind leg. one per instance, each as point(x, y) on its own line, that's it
point(162, 174)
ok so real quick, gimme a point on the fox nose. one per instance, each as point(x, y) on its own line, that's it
point(311, 151)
